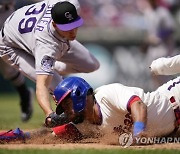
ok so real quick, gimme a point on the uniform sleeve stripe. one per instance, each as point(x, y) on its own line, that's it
point(44, 73)
point(133, 99)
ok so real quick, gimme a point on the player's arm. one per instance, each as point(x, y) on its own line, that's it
point(139, 114)
point(42, 92)
point(166, 66)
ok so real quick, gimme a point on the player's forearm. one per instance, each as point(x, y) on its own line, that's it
point(42, 94)
point(166, 66)
point(139, 115)
point(43, 100)
point(139, 111)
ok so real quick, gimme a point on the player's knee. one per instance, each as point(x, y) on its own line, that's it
point(8, 74)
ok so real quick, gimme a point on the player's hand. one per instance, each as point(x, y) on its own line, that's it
point(53, 120)
point(142, 134)
point(137, 139)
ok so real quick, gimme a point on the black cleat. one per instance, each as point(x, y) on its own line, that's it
point(27, 105)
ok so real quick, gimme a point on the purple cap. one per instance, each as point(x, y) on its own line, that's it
point(65, 16)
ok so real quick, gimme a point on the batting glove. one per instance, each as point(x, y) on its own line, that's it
point(54, 120)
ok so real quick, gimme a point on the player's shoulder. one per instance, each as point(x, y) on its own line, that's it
point(111, 86)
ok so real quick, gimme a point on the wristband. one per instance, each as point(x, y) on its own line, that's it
point(138, 127)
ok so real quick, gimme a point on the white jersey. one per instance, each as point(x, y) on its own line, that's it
point(114, 99)
point(30, 29)
point(166, 66)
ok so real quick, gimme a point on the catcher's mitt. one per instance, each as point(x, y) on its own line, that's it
point(54, 120)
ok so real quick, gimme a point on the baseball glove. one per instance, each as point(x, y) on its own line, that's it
point(54, 120)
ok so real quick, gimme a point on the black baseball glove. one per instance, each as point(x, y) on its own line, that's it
point(54, 120)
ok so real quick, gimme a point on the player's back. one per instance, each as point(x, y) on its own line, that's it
point(20, 26)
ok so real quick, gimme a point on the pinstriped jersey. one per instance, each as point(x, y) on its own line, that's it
point(113, 100)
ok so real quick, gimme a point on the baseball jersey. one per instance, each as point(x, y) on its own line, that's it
point(114, 100)
point(30, 29)
point(166, 66)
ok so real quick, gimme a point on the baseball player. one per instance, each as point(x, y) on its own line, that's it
point(9, 73)
point(166, 65)
point(116, 108)
point(39, 40)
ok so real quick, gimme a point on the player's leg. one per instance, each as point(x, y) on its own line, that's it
point(9, 73)
point(25, 93)
point(25, 63)
point(78, 59)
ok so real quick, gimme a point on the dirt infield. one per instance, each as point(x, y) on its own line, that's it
point(43, 139)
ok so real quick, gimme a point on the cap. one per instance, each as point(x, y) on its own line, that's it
point(65, 16)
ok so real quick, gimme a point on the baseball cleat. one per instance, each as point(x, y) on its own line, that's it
point(27, 106)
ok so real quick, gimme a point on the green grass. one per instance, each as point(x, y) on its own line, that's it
point(89, 151)
point(10, 113)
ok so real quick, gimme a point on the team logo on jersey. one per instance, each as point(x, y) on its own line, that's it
point(126, 127)
point(47, 64)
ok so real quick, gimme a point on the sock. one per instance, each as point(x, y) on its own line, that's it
point(20, 85)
